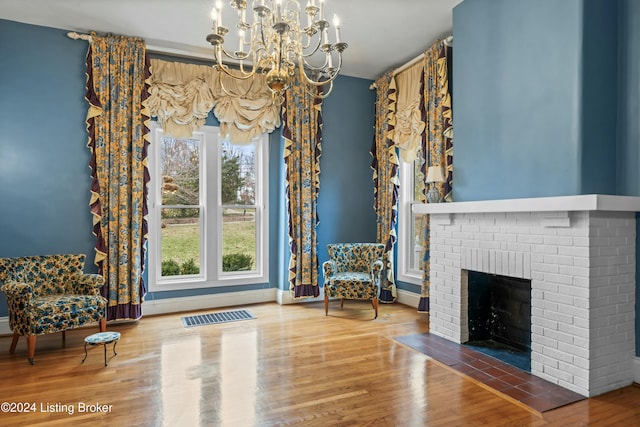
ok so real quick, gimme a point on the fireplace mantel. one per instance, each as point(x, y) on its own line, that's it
point(589, 202)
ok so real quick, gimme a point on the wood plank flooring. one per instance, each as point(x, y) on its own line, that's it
point(289, 366)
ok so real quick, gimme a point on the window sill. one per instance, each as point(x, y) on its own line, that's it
point(178, 285)
point(411, 278)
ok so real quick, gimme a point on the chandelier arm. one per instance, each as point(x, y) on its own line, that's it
point(225, 69)
point(333, 70)
point(241, 77)
point(308, 54)
point(322, 95)
point(253, 68)
point(264, 42)
point(313, 67)
point(319, 83)
point(224, 89)
point(332, 75)
point(232, 55)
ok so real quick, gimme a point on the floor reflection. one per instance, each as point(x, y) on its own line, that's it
point(181, 393)
point(238, 371)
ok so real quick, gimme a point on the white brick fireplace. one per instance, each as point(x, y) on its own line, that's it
point(578, 252)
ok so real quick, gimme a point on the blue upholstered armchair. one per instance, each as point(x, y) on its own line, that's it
point(48, 294)
point(353, 272)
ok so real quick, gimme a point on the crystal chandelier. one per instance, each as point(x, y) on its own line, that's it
point(277, 45)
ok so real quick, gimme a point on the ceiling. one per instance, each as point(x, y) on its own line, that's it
point(381, 34)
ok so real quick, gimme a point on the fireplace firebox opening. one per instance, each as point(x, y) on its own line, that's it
point(499, 313)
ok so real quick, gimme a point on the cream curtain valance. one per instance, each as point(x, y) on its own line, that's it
point(409, 121)
point(182, 95)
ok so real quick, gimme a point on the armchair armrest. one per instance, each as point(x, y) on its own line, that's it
point(88, 284)
point(17, 290)
point(328, 268)
point(376, 267)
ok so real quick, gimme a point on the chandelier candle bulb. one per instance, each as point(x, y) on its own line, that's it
point(214, 17)
point(279, 9)
point(219, 10)
point(321, 9)
point(336, 23)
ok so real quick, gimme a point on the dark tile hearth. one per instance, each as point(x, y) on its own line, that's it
point(512, 356)
point(534, 392)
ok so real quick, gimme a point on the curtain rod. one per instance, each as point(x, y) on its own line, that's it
point(448, 41)
point(155, 49)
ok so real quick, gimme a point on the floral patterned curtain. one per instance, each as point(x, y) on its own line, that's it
point(117, 71)
point(385, 179)
point(437, 141)
point(302, 132)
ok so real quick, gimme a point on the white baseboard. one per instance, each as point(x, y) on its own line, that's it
point(408, 298)
point(284, 297)
point(201, 302)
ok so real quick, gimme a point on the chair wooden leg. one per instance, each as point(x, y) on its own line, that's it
point(103, 325)
point(326, 305)
point(64, 337)
point(341, 302)
point(14, 342)
point(374, 301)
point(31, 348)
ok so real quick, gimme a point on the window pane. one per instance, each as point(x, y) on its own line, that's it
point(238, 239)
point(238, 174)
point(180, 246)
point(180, 171)
point(418, 227)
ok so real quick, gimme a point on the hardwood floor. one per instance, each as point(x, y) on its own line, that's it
point(289, 366)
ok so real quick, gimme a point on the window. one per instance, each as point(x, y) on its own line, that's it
point(208, 211)
point(411, 227)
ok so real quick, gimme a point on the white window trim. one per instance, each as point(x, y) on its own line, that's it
point(405, 233)
point(211, 274)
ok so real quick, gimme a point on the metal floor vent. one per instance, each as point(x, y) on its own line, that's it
point(213, 318)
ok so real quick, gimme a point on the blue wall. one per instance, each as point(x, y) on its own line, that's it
point(44, 174)
point(628, 177)
point(346, 166)
point(546, 100)
point(516, 73)
point(629, 119)
point(599, 97)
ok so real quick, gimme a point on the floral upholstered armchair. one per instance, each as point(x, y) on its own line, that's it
point(48, 294)
point(353, 272)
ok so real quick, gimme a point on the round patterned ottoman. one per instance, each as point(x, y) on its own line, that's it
point(103, 338)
